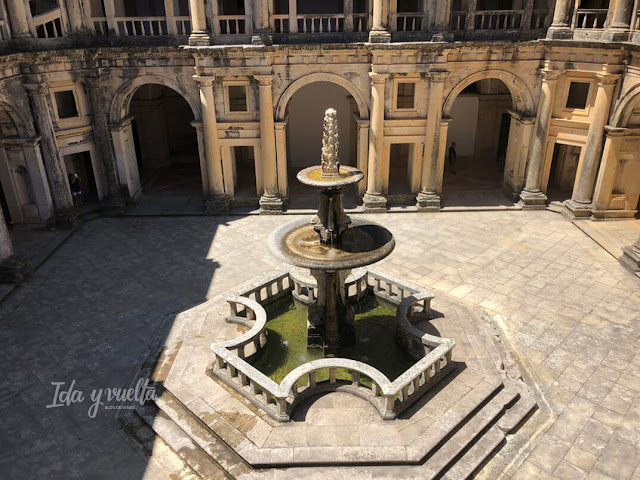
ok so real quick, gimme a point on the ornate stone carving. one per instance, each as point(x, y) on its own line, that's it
point(330, 145)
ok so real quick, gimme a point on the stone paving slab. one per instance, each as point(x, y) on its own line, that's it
point(570, 311)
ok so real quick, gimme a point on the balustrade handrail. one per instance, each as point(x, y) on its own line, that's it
point(320, 15)
point(47, 17)
point(258, 327)
point(232, 17)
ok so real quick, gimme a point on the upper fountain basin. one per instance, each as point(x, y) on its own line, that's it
point(363, 243)
point(346, 176)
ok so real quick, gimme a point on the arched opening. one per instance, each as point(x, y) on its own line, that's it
point(305, 113)
point(166, 143)
point(477, 142)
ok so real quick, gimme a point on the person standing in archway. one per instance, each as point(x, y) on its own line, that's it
point(453, 156)
point(76, 189)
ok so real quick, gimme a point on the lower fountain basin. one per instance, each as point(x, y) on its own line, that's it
point(363, 243)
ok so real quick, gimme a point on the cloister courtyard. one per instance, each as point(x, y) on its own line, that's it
point(104, 301)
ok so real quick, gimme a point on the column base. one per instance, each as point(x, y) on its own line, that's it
point(613, 34)
point(612, 214)
point(533, 200)
point(14, 269)
point(428, 202)
point(271, 205)
point(67, 218)
point(576, 211)
point(374, 203)
point(261, 39)
point(216, 205)
point(442, 36)
point(379, 36)
point(199, 40)
point(559, 33)
point(631, 258)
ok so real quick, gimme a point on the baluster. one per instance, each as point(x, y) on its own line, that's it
point(256, 343)
point(241, 351)
point(389, 405)
point(375, 388)
point(243, 378)
point(332, 375)
point(219, 362)
point(355, 379)
point(233, 371)
point(282, 406)
point(312, 379)
point(437, 366)
point(405, 393)
point(416, 383)
point(253, 388)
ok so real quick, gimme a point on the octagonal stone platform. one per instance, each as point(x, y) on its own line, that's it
point(452, 430)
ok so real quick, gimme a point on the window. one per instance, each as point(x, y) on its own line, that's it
point(578, 92)
point(237, 98)
point(66, 104)
point(406, 94)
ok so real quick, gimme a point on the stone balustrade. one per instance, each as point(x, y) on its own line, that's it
point(49, 24)
point(232, 24)
point(141, 26)
point(590, 18)
point(539, 19)
point(498, 19)
point(410, 22)
point(458, 20)
point(279, 401)
point(305, 288)
point(321, 23)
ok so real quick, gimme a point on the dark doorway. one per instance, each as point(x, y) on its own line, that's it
point(244, 172)
point(399, 171)
point(562, 175)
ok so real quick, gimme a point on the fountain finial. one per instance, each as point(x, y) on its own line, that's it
point(330, 145)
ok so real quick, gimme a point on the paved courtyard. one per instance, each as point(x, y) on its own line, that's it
point(93, 310)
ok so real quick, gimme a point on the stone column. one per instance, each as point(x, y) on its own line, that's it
point(18, 19)
point(373, 199)
point(580, 204)
point(199, 34)
point(444, 129)
point(378, 32)
point(348, 15)
point(442, 22)
point(74, 13)
point(96, 88)
point(428, 198)
point(363, 153)
point(271, 201)
point(125, 155)
point(560, 27)
point(532, 197)
point(203, 161)
point(65, 212)
point(13, 269)
point(619, 28)
point(470, 22)
point(170, 16)
point(631, 256)
point(38, 176)
point(110, 13)
point(516, 158)
point(293, 16)
point(217, 201)
point(608, 173)
point(262, 29)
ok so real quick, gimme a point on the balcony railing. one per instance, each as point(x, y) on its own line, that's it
point(141, 26)
point(410, 22)
point(498, 19)
point(328, 23)
point(458, 20)
point(360, 22)
point(49, 25)
point(183, 25)
point(590, 18)
point(280, 23)
point(539, 19)
point(232, 24)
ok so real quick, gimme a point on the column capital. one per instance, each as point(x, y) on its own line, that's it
point(378, 78)
point(614, 131)
point(522, 117)
point(126, 121)
point(204, 80)
point(197, 125)
point(36, 88)
point(264, 80)
point(607, 78)
point(437, 76)
point(550, 75)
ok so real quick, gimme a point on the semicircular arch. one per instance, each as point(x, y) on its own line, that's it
point(626, 105)
point(23, 126)
point(283, 101)
point(122, 99)
point(520, 94)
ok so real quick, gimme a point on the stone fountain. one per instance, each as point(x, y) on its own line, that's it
point(331, 244)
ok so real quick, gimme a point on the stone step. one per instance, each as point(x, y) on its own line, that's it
point(477, 455)
point(470, 432)
point(518, 414)
point(219, 452)
point(190, 452)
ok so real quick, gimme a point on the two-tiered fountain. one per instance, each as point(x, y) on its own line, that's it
point(331, 244)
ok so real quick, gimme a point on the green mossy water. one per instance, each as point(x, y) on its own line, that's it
point(375, 325)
